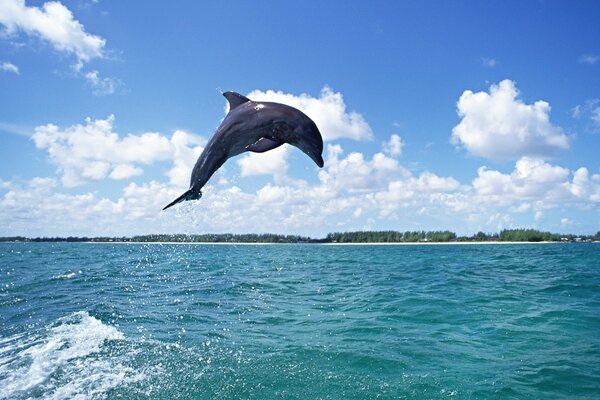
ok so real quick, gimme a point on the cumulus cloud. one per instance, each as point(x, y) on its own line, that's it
point(328, 111)
point(185, 150)
point(536, 180)
point(417, 193)
point(393, 147)
point(397, 199)
point(351, 190)
point(9, 67)
point(43, 210)
point(54, 23)
point(530, 179)
point(124, 171)
point(354, 173)
point(493, 199)
point(273, 163)
point(499, 126)
point(93, 151)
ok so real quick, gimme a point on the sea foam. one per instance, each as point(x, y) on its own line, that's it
point(68, 275)
point(68, 359)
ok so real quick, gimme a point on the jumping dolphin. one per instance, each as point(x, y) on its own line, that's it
point(257, 127)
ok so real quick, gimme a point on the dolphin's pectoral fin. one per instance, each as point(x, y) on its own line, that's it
point(264, 144)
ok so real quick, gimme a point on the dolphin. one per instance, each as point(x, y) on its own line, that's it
point(257, 127)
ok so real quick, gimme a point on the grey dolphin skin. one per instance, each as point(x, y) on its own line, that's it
point(257, 127)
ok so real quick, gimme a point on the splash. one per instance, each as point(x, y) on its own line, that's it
point(70, 358)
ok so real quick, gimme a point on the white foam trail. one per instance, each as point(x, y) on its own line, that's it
point(67, 349)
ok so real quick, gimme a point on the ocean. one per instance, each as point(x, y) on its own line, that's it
point(192, 321)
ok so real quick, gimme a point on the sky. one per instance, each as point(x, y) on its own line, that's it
point(436, 115)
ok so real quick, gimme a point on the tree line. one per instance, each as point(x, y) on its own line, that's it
point(390, 237)
point(506, 235)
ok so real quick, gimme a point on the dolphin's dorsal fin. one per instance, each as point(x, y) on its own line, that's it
point(235, 99)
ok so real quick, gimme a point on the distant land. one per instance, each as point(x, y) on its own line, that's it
point(507, 235)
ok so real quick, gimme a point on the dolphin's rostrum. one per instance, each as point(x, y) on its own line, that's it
point(257, 127)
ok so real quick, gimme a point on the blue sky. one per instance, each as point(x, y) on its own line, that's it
point(465, 115)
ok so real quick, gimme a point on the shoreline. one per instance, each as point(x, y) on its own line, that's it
point(334, 244)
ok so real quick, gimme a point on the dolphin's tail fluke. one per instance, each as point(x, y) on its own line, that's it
point(189, 195)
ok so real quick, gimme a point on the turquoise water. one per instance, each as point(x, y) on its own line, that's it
point(299, 321)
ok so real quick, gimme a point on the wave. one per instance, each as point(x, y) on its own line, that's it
point(70, 358)
point(64, 276)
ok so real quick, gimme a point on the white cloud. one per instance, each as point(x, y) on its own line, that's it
point(521, 208)
point(102, 86)
point(397, 199)
point(273, 162)
point(410, 192)
point(492, 182)
point(354, 173)
point(535, 180)
point(9, 67)
point(328, 111)
point(499, 126)
point(585, 187)
point(124, 171)
point(338, 200)
point(431, 183)
point(590, 59)
point(185, 151)
point(53, 22)
point(566, 222)
point(94, 152)
point(394, 146)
